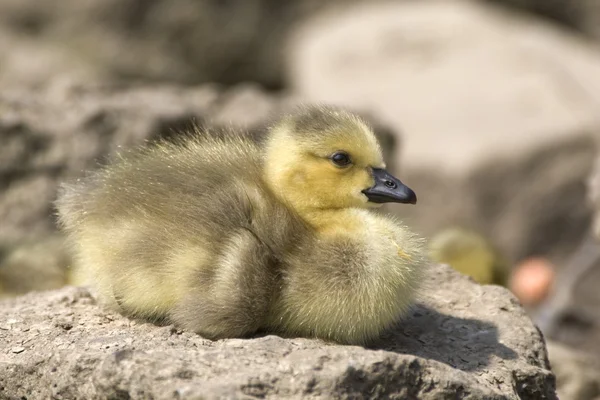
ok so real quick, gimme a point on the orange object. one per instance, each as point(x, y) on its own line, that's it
point(532, 280)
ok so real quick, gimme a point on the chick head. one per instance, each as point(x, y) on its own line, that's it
point(326, 158)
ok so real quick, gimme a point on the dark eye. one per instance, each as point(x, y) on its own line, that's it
point(340, 158)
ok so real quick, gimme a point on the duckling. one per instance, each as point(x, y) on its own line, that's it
point(228, 236)
point(471, 254)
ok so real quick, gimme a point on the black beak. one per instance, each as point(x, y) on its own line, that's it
point(389, 189)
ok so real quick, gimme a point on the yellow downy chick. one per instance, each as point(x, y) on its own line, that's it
point(228, 236)
point(470, 254)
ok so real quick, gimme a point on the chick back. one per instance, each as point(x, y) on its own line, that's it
point(157, 223)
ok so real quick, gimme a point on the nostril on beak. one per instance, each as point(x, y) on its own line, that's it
point(390, 184)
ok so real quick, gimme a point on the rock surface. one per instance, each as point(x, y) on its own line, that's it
point(461, 341)
point(183, 41)
point(583, 15)
point(593, 195)
point(60, 132)
point(577, 373)
point(497, 111)
point(573, 312)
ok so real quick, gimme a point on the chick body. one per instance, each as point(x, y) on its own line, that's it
point(226, 236)
point(471, 254)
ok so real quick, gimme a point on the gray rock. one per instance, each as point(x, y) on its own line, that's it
point(593, 195)
point(183, 41)
point(571, 316)
point(461, 341)
point(583, 15)
point(577, 373)
point(56, 134)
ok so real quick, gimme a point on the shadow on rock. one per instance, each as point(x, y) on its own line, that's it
point(466, 344)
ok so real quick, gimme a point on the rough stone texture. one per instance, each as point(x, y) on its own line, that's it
point(534, 204)
point(183, 41)
point(593, 195)
point(570, 318)
point(58, 132)
point(497, 111)
point(575, 305)
point(583, 15)
point(577, 373)
point(179, 40)
point(462, 341)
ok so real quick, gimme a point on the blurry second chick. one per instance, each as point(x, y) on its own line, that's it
point(471, 254)
point(226, 237)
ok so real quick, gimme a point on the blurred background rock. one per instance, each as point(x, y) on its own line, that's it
point(490, 110)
